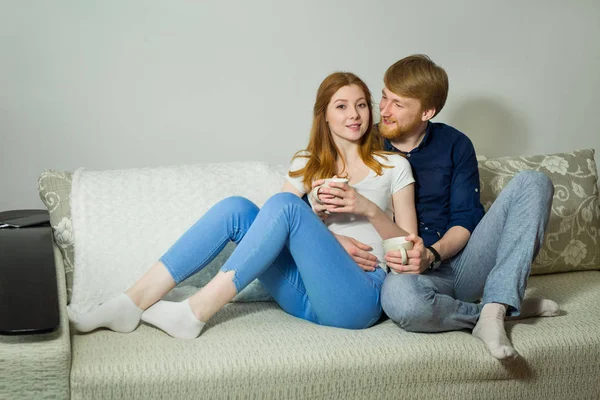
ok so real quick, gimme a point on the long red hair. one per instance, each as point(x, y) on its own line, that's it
point(323, 153)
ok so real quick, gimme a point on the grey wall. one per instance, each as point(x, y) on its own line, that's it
point(131, 83)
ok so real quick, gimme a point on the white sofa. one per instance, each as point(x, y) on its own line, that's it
point(255, 350)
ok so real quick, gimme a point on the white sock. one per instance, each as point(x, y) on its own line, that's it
point(490, 330)
point(119, 314)
point(535, 307)
point(175, 318)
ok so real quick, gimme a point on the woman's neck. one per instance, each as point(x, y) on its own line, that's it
point(349, 162)
point(348, 151)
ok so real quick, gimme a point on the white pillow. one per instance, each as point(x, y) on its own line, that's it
point(124, 220)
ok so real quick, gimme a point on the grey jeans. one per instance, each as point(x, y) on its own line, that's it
point(493, 267)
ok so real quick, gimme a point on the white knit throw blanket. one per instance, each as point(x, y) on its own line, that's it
point(124, 220)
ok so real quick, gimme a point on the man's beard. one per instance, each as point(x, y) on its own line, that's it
point(399, 130)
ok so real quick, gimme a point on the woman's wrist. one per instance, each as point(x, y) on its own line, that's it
point(372, 210)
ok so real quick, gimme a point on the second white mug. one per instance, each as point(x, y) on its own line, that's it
point(399, 243)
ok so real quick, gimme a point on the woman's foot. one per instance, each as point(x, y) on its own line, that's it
point(175, 318)
point(490, 330)
point(119, 314)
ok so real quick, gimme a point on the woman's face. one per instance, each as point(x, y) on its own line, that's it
point(347, 113)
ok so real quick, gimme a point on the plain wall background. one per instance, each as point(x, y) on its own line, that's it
point(133, 83)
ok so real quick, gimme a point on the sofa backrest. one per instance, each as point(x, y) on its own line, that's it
point(572, 237)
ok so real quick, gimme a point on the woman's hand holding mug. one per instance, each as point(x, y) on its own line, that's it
point(320, 198)
point(339, 197)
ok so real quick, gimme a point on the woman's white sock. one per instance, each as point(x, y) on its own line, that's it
point(119, 314)
point(490, 330)
point(175, 318)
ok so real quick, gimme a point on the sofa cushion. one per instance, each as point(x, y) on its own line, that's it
point(572, 239)
point(255, 350)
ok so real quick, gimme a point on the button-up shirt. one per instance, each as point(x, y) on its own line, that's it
point(446, 181)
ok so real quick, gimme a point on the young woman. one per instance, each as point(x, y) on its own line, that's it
point(297, 253)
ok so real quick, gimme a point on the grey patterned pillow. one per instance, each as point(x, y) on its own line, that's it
point(54, 188)
point(573, 233)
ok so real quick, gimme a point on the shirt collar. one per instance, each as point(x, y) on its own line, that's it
point(427, 137)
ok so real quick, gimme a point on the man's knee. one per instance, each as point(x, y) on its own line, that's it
point(535, 182)
point(408, 301)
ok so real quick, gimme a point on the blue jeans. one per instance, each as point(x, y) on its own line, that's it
point(292, 253)
point(493, 267)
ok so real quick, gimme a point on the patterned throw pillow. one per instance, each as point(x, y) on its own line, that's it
point(572, 239)
point(54, 188)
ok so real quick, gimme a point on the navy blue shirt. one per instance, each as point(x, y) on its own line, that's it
point(446, 182)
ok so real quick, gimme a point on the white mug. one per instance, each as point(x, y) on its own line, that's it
point(315, 192)
point(399, 243)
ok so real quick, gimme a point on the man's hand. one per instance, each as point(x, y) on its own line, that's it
point(419, 258)
point(359, 252)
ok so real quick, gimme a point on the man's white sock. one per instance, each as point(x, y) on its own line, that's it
point(175, 318)
point(119, 314)
point(490, 330)
point(535, 307)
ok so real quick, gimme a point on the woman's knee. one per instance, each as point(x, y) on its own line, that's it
point(408, 301)
point(239, 204)
point(282, 199)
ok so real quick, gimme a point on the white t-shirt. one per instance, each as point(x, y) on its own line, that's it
point(378, 189)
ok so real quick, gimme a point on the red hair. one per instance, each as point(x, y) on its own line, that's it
point(323, 152)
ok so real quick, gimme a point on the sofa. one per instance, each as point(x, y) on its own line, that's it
point(253, 350)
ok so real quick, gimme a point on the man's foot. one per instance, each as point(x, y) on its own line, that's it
point(535, 307)
point(176, 319)
point(490, 330)
point(119, 314)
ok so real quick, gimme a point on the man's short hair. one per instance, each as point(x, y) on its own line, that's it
point(420, 78)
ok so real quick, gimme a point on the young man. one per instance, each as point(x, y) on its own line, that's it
point(460, 256)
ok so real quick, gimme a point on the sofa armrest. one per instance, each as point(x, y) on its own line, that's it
point(39, 365)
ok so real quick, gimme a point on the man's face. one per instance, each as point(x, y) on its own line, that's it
point(399, 115)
